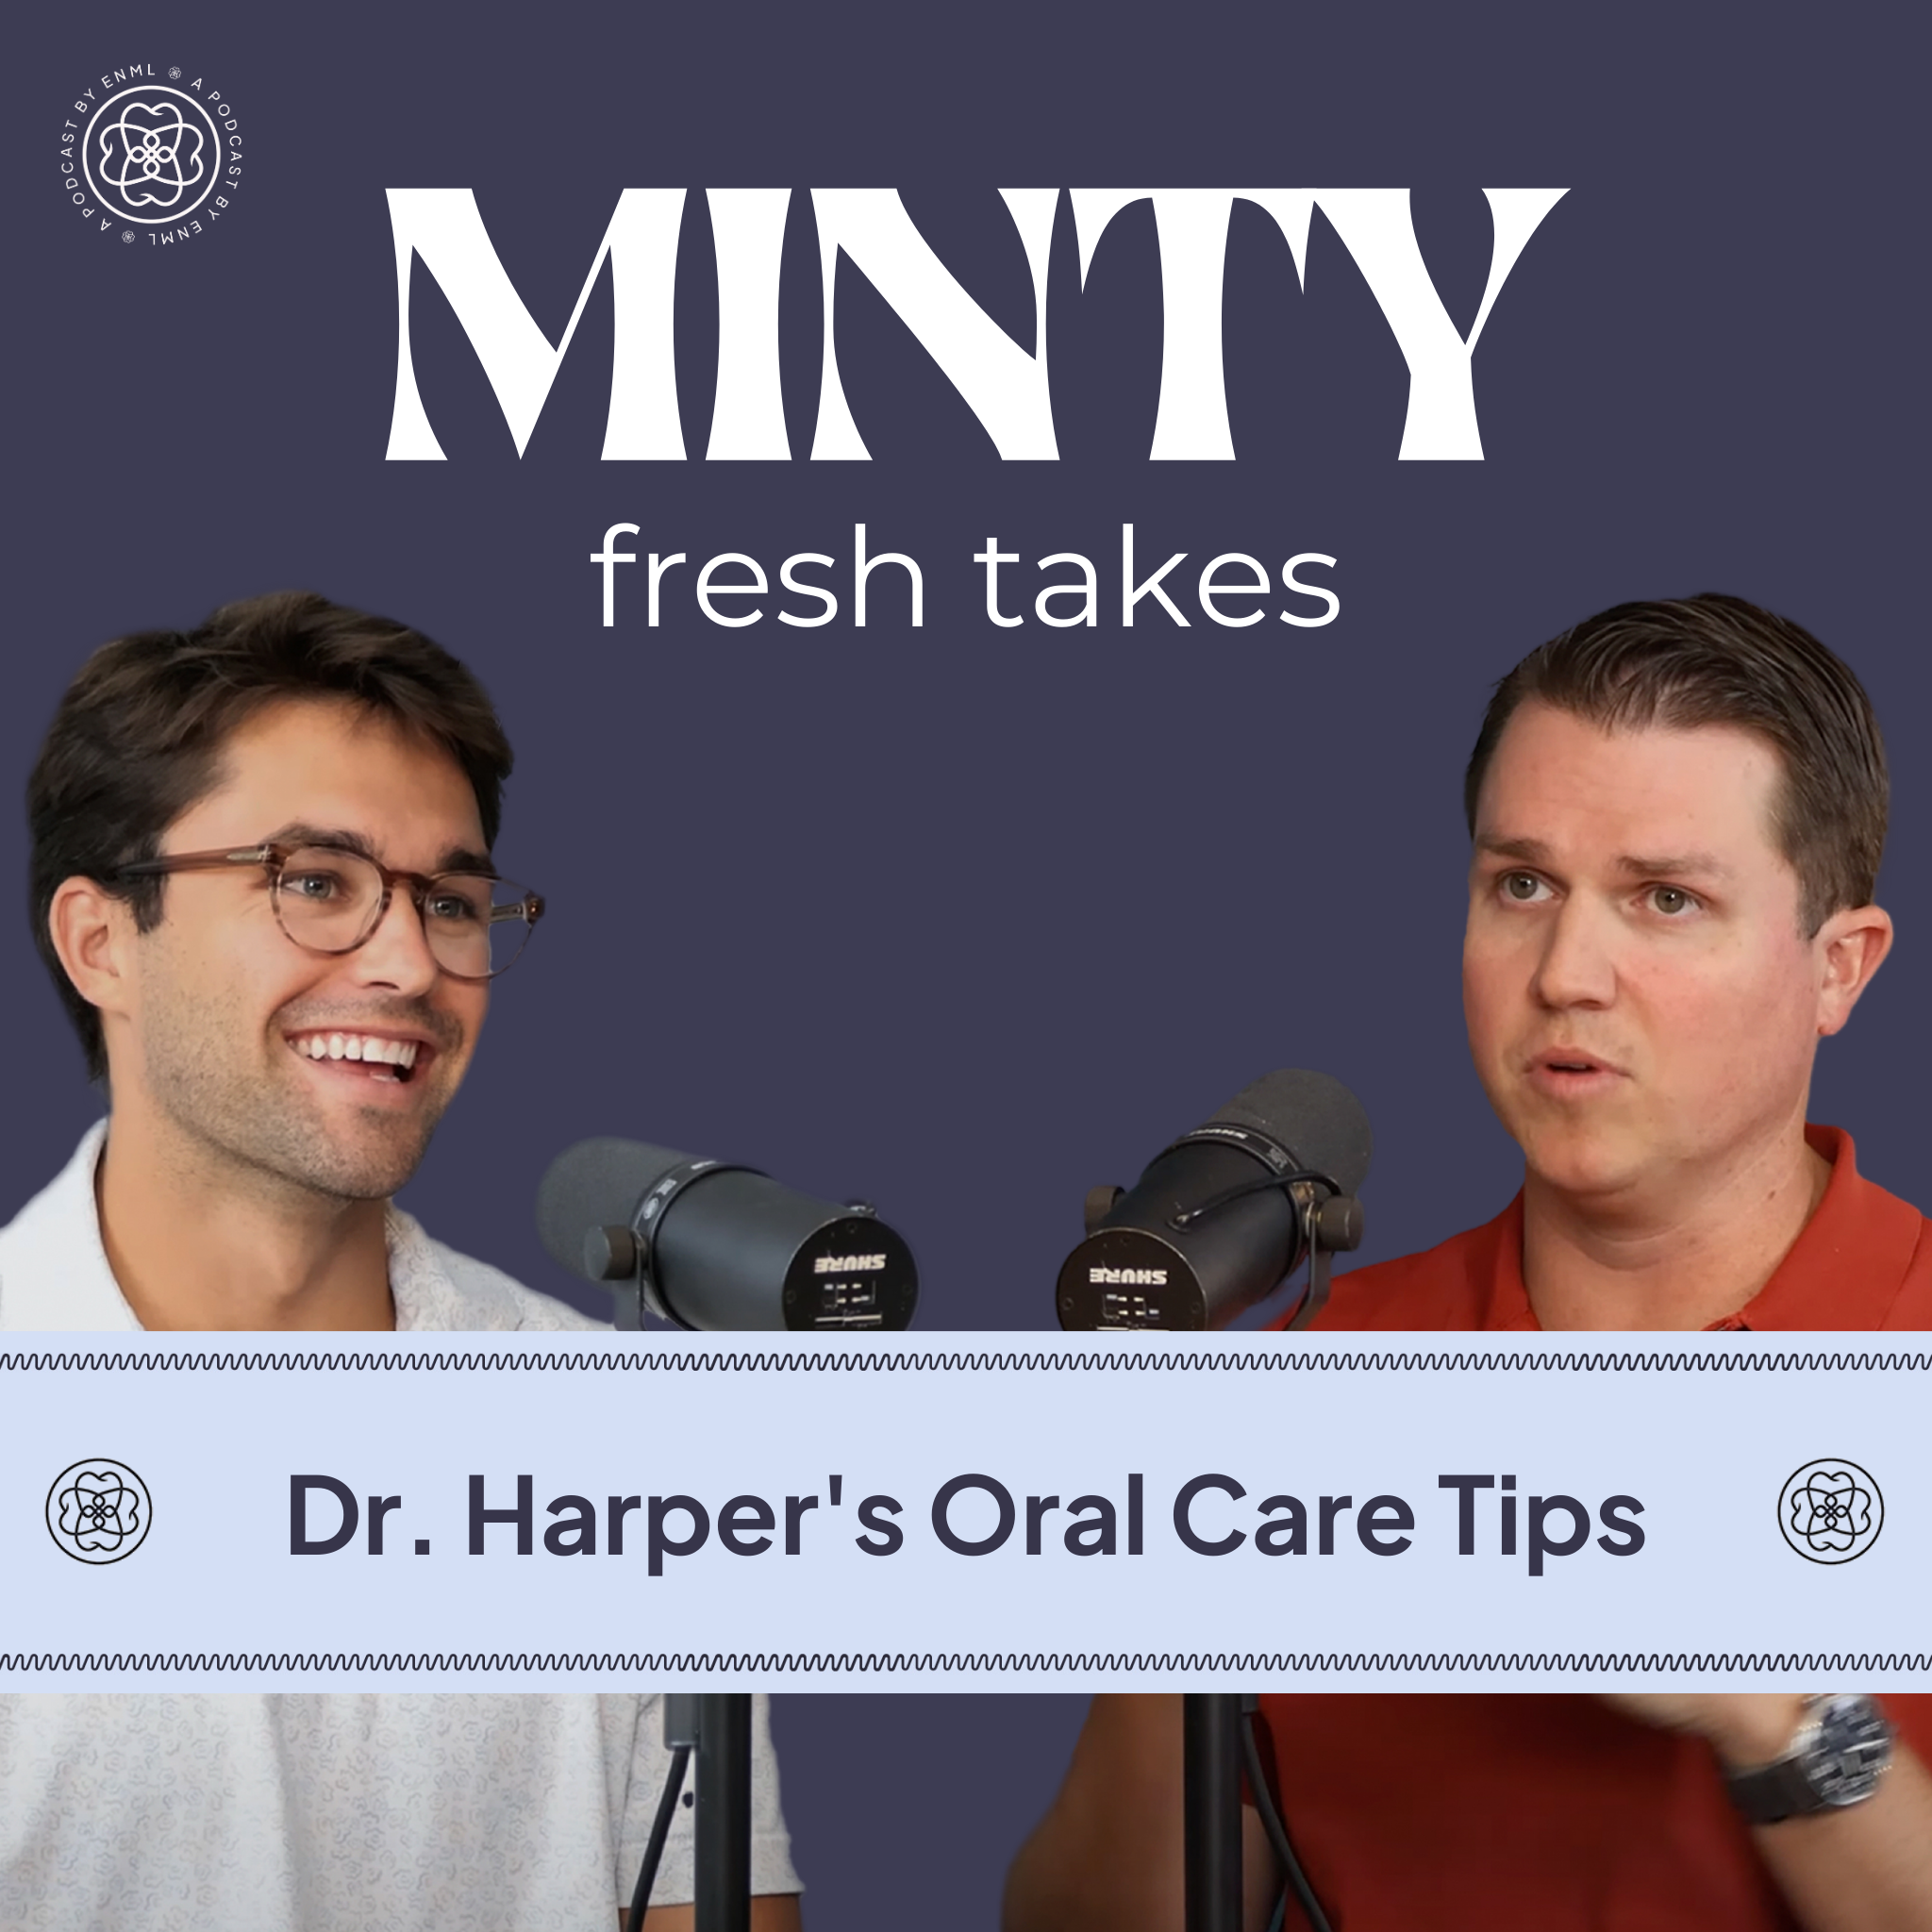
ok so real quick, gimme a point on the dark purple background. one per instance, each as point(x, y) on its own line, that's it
point(960, 918)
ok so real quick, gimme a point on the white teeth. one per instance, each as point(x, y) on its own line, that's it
point(365, 1047)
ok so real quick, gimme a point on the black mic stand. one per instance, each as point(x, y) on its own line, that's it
point(1211, 1721)
point(718, 1725)
point(1212, 1746)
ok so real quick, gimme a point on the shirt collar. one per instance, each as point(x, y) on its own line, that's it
point(421, 1285)
point(56, 1274)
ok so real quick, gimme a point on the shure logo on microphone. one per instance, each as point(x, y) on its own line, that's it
point(848, 1264)
point(1127, 1277)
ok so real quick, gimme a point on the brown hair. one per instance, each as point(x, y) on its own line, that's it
point(139, 736)
point(1713, 660)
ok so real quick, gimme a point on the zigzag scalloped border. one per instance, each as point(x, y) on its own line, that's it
point(1821, 1664)
point(765, 1361)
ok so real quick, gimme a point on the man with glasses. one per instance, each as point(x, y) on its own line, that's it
point(262, 882)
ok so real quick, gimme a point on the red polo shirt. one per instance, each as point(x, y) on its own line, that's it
point(1525, 1812)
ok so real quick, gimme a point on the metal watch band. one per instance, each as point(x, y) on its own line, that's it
point(1774, 1792)
point(1843, 1747)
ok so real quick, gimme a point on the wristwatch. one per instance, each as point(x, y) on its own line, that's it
point(1843, 1748)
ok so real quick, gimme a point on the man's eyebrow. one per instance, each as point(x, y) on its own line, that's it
point(1530, 851)
point(1632, 865)
point(337, 839)
point(1684, 864)
point(332, 837)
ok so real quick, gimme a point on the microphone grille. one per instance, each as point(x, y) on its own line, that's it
point(597, 1183)
point(1313, 1115)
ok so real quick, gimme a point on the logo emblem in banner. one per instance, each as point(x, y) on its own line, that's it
point(98, 1510)
point(1831, 1512)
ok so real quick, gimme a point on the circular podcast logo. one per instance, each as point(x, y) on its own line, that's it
point(98, 1510)
point(151, 153)
point(1831, 1512)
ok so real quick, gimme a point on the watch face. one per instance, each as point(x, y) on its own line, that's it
point(1853, 1746)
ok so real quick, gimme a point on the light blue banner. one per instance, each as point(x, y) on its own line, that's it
point(965, 1511)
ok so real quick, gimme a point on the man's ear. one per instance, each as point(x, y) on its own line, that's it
point(93, 932)
point(1852, 945)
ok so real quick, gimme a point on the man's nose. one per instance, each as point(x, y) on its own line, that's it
point(1578, 964)
point(397, 953)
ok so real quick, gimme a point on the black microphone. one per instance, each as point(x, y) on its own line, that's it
point(707, 1245)
point(1223, 1216)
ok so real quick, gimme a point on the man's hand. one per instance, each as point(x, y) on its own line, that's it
point(1745, 1728)
point(1867, 1868)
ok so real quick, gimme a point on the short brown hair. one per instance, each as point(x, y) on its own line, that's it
point(1712, 659)
point(139, 736)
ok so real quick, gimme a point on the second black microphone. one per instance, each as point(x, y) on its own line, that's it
point(705, 1245)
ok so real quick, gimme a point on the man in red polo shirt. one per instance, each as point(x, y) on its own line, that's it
point(1678, 811)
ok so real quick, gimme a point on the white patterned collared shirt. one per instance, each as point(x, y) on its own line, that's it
point(390, 1813)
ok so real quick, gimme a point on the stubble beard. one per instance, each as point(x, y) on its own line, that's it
point(260, 1123)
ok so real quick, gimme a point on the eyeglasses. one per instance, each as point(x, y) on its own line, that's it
point(329, 900)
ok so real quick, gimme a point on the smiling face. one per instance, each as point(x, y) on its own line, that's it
point(324, 1072)
point(1644, 1006)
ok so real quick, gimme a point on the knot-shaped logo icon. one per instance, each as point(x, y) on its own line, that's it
point(98, 1510)
point(152, 155)
point(1831, 1512)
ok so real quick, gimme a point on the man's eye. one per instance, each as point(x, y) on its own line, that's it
point(453, 909)
point(1521, 886)
point(1671, 900)
point(316, 887)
